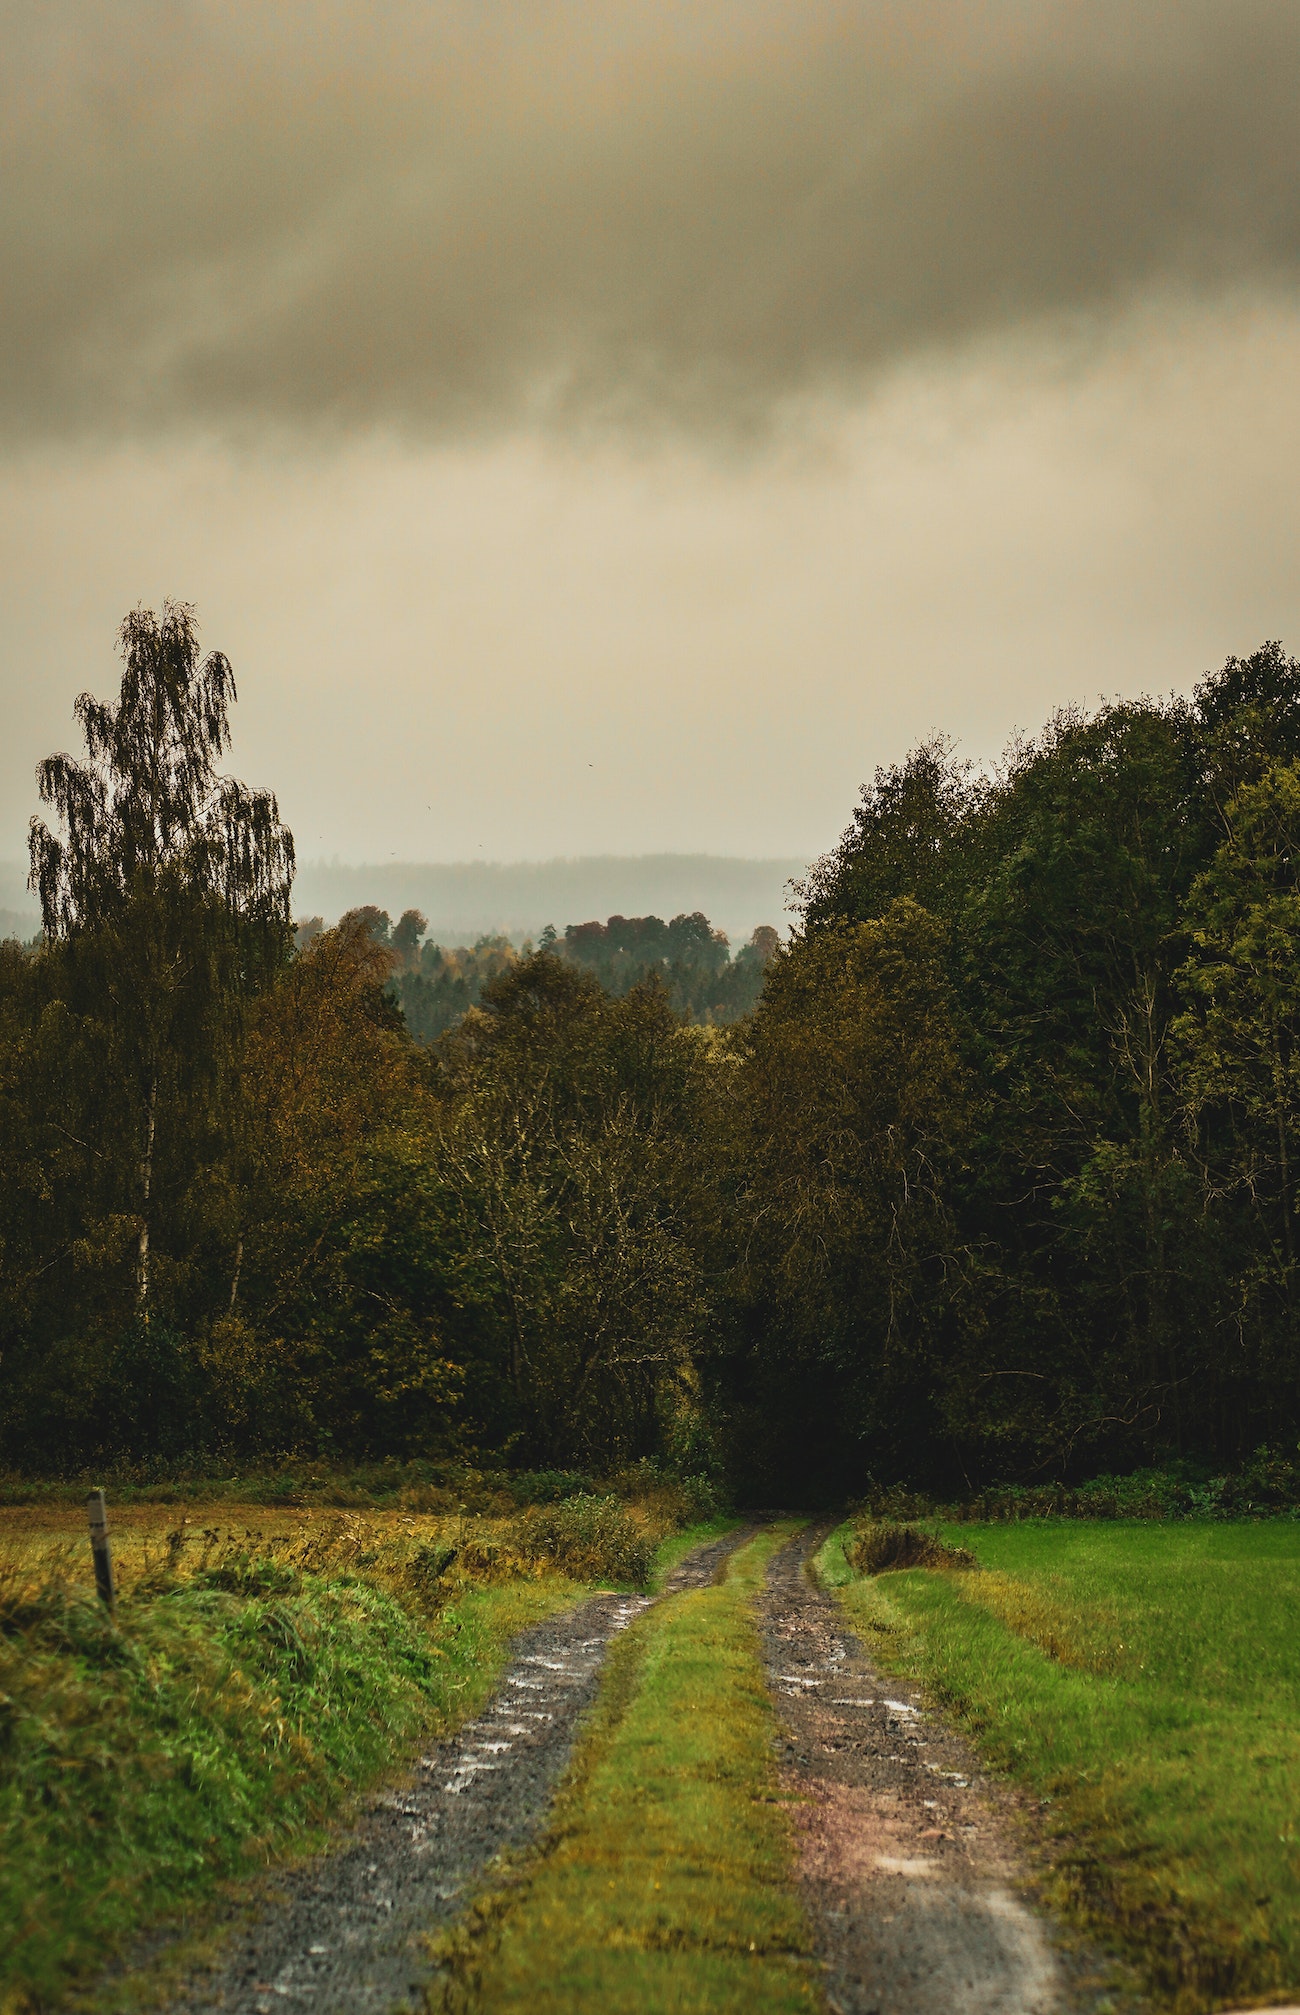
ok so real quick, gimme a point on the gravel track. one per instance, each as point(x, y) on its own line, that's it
point(908, 1866)
point(343, 1933)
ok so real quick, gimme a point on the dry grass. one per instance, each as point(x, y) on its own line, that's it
point(428, 1559)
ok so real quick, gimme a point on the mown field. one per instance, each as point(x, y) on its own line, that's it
point(261, 1672)
point(1144, 1682)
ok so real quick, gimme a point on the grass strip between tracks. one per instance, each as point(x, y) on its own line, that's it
point(1143, 1681)
point(664, 1883)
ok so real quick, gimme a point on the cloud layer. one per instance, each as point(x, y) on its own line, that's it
point(442, 220)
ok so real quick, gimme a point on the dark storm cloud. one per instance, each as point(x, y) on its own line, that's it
point(444, 219)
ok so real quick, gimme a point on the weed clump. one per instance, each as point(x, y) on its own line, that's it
point(427, 1567)
point(590, 1538)
point(880, 1548)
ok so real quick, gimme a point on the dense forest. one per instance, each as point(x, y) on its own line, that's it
point(434, 985)
point(992, 1175)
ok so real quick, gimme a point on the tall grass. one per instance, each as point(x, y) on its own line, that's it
point(588, 1537)
point(254, 1680)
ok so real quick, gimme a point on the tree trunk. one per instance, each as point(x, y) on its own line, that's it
point(1283, 1158)
point(146, 1191)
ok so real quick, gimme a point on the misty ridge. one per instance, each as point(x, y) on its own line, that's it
point(467, 900)
point(438, 223)
point(462, 903)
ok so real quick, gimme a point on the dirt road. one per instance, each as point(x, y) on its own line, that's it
point(343, 1934)
point(909, 1870)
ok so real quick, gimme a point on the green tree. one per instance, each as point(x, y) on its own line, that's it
point(1078, 1195)
point(1248, 716)
point(1239, 1044)
point(344, 1297)
point(571, 1169)
point(847, 1102)
point(911, 835)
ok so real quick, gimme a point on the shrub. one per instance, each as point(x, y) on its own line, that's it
point(667, 1497)
point(591, 1538)
point(427, 1566)
point(548, 1486)
point(242, 1572)
point(882, 1548)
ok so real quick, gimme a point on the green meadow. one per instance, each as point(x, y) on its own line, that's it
point(1144, 1682)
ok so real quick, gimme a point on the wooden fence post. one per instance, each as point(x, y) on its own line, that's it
point(101, 1551)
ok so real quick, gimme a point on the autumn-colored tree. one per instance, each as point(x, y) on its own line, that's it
point(341, 1276)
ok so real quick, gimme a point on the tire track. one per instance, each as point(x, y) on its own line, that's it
point(343, 1934)
point(909, 1871)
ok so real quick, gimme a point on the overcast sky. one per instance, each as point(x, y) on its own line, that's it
point(599, 427)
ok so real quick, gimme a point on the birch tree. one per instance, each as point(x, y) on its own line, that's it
point(166, 886)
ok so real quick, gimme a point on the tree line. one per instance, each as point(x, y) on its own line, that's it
point(434, 985)
point(996, 1179)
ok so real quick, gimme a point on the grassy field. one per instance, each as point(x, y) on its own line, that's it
point(260, 1674)
point(664, 1884)
point(1144, 1680)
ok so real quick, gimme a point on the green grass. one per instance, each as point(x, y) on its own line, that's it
point(1145, 1681)
point(223, 1719)
point(255, 1684)
point(664, 1884)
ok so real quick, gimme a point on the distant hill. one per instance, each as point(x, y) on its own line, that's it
point(20, 915)
point(465, 900)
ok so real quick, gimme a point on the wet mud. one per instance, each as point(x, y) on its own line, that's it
point(344, 1934)
point(910, 1869)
